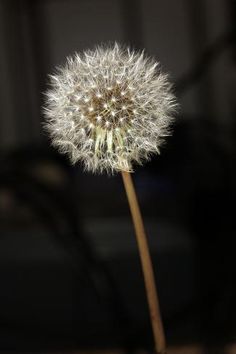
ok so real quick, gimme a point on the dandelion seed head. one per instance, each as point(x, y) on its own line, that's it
point(120, 104)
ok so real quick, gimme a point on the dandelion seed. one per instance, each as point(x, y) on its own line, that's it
point(126, 83)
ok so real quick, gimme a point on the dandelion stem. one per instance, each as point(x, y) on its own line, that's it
point(151, 291)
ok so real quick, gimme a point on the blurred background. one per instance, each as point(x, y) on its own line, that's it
point(70, 276)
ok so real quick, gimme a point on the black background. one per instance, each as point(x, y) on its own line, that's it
point(70, 276)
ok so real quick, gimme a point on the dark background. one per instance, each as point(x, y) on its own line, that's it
point(70, 276)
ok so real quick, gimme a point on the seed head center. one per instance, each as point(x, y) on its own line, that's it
point(109, 108)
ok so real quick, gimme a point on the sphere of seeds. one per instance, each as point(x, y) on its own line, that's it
point(109, 108)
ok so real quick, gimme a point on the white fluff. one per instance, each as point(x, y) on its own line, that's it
point(109, 108)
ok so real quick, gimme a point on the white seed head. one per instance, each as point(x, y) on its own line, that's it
point(120, 103)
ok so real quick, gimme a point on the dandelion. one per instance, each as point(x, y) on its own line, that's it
point(111, 108)
point(106, 89)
